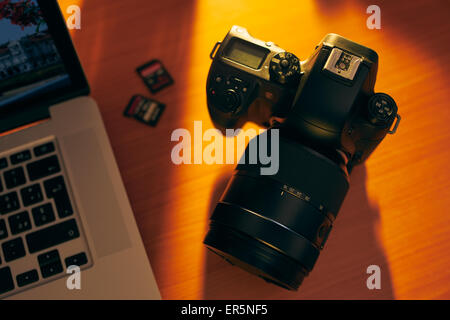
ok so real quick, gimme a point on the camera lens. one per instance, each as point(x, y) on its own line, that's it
point(275, 226)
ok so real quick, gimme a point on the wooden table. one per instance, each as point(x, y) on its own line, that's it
point(396, 213)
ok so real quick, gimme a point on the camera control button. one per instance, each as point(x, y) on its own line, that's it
point(284, 63)
point(285, 68)
point(231, 101)
point(236, 83)
point(381, 108)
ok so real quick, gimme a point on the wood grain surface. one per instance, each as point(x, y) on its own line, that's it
point(396, 214)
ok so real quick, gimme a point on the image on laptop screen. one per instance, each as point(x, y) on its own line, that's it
point(30, 64)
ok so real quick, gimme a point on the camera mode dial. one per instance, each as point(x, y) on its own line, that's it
point(285, 68)
point(382, 109)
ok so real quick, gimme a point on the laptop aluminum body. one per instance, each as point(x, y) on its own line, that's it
point(62, 200)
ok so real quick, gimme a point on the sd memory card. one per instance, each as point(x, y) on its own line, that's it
point(145, 110)
point(155, 75)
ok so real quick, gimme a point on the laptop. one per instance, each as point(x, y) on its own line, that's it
point(67, 230)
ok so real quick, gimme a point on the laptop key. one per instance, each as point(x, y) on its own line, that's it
point(3, 230)
point(48, 257)
point(42, 168)
point(14, 177)
point(43, 214)
point(31, 194)
point(6, 280)
point(76, 260)
point(55, 188)
point(20, 157)
point(13, 249)
point(19, 222)
point(1, 186)
point(63, 206)
point(44, 149)
point(50, 263)
point(27, 278)
point(52, 236)
point(3, 163)
point(9, 202)
point(51, 269)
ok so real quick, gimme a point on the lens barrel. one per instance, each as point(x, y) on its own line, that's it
point(275, 226)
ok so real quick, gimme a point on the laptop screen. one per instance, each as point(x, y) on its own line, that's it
point(30, 64)
point(38, 63)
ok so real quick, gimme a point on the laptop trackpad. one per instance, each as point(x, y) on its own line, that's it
point(94, 185)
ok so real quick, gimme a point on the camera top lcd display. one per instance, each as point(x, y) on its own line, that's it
point(245, 53)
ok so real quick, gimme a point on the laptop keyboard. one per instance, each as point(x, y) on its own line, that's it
point(40, 232)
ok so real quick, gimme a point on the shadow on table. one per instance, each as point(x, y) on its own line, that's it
point(116, 37)
point(340, 272)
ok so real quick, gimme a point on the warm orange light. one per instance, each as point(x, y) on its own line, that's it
point(298, 26)
point(405, 184)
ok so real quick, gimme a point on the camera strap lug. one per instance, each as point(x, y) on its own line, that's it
point(397, 116)
point(211, 55)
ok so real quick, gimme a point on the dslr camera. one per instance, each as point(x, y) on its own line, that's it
point(329, 119)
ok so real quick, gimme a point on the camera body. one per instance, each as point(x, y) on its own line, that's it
point(327, 101)
point(242, 82)
point(328, 119)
